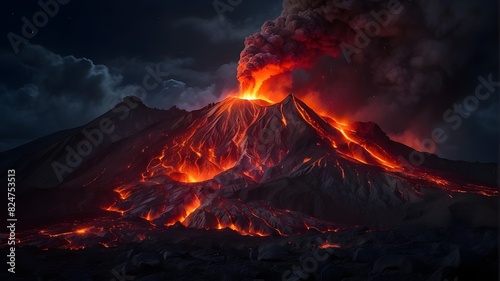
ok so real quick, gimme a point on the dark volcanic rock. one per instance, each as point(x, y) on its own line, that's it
point(144, 260)
point(272, 252)
point(334, 273)
point(366, 254)
point(392, 263)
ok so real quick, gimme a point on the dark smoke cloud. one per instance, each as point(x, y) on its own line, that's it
point(305, 31)
point(295, 39)
point(426, 59)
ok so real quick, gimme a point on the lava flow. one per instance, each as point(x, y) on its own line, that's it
point(227, 147)
point(256, 167)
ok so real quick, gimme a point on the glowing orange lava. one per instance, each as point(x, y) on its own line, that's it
point(217, 138)
point(329, 245)
point(190, 208)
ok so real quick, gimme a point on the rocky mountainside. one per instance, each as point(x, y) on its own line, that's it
point(258, 187)
point(248, 165)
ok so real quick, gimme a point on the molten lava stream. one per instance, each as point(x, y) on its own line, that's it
point(189, 208)
point(193, 157)
point(241, 231)
point(327, 245)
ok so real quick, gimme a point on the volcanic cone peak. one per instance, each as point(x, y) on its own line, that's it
point(291, 101)
point(290, 98)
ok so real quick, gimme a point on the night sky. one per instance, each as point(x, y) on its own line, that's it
point(91, 54)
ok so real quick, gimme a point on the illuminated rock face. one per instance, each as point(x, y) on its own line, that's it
point(248, 165)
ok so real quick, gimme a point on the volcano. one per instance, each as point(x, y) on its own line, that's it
point(249, 167)
point(255, 167)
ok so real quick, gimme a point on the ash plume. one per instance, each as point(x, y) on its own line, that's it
point(305, 31)
point(421, 60)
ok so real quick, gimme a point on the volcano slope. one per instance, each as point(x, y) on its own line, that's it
point(243, 172)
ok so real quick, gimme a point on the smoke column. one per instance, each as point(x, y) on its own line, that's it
point(305, 31)
point(423, 57)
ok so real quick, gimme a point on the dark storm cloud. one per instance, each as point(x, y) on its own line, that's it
point(198, 87)
point(42, 92)
point(103, 30)
point(190, 89)
point(49, 92)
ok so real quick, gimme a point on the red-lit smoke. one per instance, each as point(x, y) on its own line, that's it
point(303, 33)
